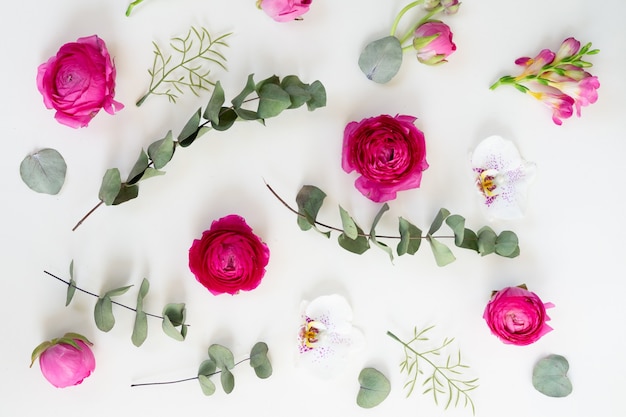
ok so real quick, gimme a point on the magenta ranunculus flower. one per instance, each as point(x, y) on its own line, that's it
point(79, 81)
point(517, 316)
point(389, 153)
point(433, 42)
point(229, 257)
point(284, 10)
point(66, 361)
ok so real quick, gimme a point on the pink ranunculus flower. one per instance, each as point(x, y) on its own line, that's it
point(433, 42)
point(66, 361)
point(229, 257)
point(284, 10)
point(79, 81)
point(517, 316)
point(389, 153)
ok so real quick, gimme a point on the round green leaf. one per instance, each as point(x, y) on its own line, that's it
point(44, 171)
point(208, 387)
point(110, 187)
point(506, 243)
point(375, 388)
point(228, 381)
point(380, 61)
point(222, 356)
point(550, 376)
point(103, 314)
point(207, 368)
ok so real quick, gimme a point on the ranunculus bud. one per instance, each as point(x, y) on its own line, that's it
point(389, 153)
point(433, 42)
point(517, 316)
point(284, 10)
point(450, 6)
point(229, 257)
point(66, 361)
point(79, 81)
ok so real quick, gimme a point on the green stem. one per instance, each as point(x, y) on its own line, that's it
point(406, 8)
point(182, 380)
point(410, 32)
point(131, 6)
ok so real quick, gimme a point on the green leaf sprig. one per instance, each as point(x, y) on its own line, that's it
point(271, 95)
point(221, 361)
point(173, 318)
point(353, 239)
point(195, 53)
point(445, 380)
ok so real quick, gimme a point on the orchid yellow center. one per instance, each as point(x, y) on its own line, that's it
point(487, 182)
point(310, 333)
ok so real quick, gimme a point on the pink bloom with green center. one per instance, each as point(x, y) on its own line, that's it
point(433, 42)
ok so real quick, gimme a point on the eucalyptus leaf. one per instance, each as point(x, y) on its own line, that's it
point(227, 117)
point(309, 200)
point(486, 240)
point(297, 91)
point(470, 240)
point(457, 224)
point(245, 114)
point(410, 237)
point(272, 101)
point(207, 368)
point(550, 376)
point(71, 288)
point(443, 254)
point(138, 169)
point(173, 317)
point(380, 61)
point(116, 292)
point(247, 90)
point(103, 314)
point(264, 370)
point(212, 111)
point(44, 171)
point(442, 214)
point(222, 356)
point(151, 172)
point(258, 354)
point(358, 245)
point(208, 387)
point(170, 330)
point(348, 224)
point(191, 129)
point(140, 329)
point(110, 187)
point(126, 193)
point(506, 243)
point(161, 151)
point(228, 381)
point(318, 96)
point(269, 80)
point(373, 238)
point(374, 388)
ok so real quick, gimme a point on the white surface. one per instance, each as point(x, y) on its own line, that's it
point(571, 238)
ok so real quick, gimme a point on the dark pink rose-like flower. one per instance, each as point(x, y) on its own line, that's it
point(229, 257)
point(389, 153)
point(66, 361)
point(433, 42)
point(284, 10)
point(517, 316)
point(79, 81)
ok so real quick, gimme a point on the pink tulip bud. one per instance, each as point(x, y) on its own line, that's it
point(433, 42)
point(66, 361)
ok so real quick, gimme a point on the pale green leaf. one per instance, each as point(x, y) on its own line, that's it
point(71, 288)
point(174, 316)
point(140, 329)
point(208, 387)
point(380, 61)
point(103, 314)
point(506, 243)
point(410, 237)
point(550, 376)
point(309, 200)
point(207, 367)
point(259, 360)
point(116, 292)
point(318, 96)
point(358, 245)
point(228, 381)
point(443, 254)
point(222, 356)
point(138, 169)
point(486, 240)
point(191, 129)
point(272, 101)
point(212, 111)
point(373, 238)
point(457, 224)
point(161, 151)
point(374, 388)
point(248, 89)
point(44, 171)
point(110, 187)
point(442, 214)
point(151, 172)
point(349, 226)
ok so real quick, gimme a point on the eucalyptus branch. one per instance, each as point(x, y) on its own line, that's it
point(271, 95)
point(454, 387)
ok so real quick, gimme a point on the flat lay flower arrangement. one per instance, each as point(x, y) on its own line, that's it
point(340, 324)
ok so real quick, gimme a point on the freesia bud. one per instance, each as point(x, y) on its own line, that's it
point(66, 361)
point(431, 4)
point(433, 42)
point(450, 6)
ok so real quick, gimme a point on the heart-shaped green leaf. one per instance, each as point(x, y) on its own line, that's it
point(550, 376)
point(375, 387)
point(44, 171)
point(380, 61)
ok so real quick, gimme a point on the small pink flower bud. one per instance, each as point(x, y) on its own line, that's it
point(66, 361)
point(433, 42)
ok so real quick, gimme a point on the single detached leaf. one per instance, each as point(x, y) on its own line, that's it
point(442, 214)
point(272, 101)
point(309, 200)
point(375, 388)
point(212, 111)
point(222, 356)
point(443, 254)
point(457, 224)
point(110, 187)
point(161, 151)
point(348, 224)
point(103, 314)
point(208, 387)
point(506, 243)
point(410, 237)
point(550, 376)
point(71, 288)
point(380, 61)
point(44, 171)
point(140, 329)
point(138, 169)
point(228, 381)
point(377, 218)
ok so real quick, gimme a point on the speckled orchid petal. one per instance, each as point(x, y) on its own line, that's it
point(326, 336)
point(502, 177)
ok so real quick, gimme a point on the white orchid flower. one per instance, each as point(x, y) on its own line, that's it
point(502, 177)
point(326, 336)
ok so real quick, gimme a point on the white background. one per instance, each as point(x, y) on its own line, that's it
point(572, 238)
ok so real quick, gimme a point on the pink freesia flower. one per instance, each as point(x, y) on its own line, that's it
point(560, 104)
point(79, 81)
point(534, 66)
point(583, 92)
point(229, 257)
point(433, 42)
point(66, 361)
point(517, 316)
point(569, 47)
point(389, 153)
point(284, 10)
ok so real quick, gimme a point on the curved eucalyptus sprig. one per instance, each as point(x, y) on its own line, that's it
point(445, 379)
point(271, 95)
point(221, 361)
point(173, 313)
point(195, 51)
point(353, 239)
